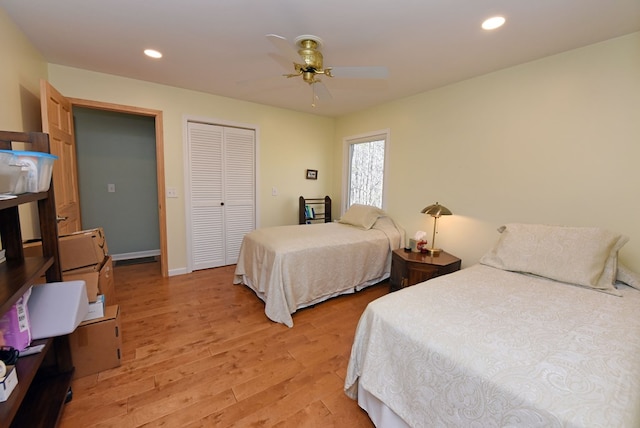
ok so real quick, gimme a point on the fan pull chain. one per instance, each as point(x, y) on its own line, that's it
point(313, 95)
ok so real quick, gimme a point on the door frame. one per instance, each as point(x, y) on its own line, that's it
point(157, 115)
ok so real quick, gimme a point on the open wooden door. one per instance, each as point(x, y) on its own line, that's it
point(57, 121)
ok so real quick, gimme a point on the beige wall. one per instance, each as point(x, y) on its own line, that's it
point(288, 144)
point(20, 74)
point(553, 141)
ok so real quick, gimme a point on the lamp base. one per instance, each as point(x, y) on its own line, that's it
point(434, 251)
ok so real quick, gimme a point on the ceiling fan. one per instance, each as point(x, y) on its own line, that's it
point(308, 63)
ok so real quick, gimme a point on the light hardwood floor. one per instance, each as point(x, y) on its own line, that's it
point(200, 352)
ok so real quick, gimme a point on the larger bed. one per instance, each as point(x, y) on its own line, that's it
point(494, 345)
point(292, 267)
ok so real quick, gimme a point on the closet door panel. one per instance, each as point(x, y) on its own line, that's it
point(239, 159)
point(207, 195)
point(239, 222)
point(207, 236)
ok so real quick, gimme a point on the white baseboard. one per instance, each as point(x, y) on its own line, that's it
point(135, 255)
point(179, 271)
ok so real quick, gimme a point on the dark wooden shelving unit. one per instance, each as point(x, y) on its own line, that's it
point(44, 379)
point(321, 208)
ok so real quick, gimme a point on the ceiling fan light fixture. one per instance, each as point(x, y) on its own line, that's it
point(152, 53)
point(493, 22)
point(308, 63)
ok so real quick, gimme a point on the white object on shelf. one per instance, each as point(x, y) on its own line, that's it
point(56, 308)
point(96, 309)
point(8, 383)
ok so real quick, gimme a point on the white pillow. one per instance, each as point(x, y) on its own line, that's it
point(584, 256)
point(627, 276)
point(362, 216)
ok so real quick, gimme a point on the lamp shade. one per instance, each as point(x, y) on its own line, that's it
point(436, 210)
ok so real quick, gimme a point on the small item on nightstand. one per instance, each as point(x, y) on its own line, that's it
point(418, 243)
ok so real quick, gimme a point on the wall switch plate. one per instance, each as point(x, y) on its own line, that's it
point(274, 191)
point(172, 192)
point(111, 188)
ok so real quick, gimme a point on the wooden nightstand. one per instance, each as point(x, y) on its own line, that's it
point(409, 268)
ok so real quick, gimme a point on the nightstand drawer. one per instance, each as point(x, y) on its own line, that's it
point(420, 273)
point(408, 268)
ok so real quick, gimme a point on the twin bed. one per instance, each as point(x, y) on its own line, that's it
point(535, 335)
point(543, 332)
point(292, 267)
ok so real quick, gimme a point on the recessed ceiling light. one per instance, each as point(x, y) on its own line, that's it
point(152, 53)
point(493, 23)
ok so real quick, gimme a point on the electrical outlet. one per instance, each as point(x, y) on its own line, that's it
point(274, 191)
point(111, 188)
point(172, 192)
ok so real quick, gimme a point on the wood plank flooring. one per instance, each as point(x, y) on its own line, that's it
point(199, 351)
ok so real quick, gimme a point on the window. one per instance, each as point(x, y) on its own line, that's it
point(365, 165)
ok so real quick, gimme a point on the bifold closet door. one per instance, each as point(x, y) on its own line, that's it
point(222, 192)
point(239, 188)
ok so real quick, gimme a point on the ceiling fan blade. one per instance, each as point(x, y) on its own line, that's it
point(284, 47)
point(285, 63)
point(372, 72)
point(321, 91)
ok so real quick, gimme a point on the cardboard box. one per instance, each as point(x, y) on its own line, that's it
point(91, 282)
point(79, 249)
point(8, 383)
point(99, 279)
point(107, 283)
point(96, 309)
point(57, 308)
point(96, 344)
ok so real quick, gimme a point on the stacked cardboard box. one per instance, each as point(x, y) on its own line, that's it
point(84, 255)
point(96, 344)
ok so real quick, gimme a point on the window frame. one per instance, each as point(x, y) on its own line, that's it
point(347, 142)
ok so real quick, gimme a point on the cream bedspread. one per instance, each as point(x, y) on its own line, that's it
point(290, 267)
point(488, 348)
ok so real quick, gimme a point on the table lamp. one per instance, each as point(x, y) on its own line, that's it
point(435, 210)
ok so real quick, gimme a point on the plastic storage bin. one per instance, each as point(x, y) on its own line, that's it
point(36, 168)
point(10, 174)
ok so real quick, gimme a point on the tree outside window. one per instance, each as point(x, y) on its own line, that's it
point(366, 171)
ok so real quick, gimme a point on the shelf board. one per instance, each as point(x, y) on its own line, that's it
point(22, 199)
point(44, 401)
point(16, 278)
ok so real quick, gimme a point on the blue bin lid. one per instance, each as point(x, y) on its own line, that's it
point(27, 153)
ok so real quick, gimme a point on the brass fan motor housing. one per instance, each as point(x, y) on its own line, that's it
point(310, 55)
point(309, 51)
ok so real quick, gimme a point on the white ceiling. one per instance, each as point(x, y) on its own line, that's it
point(219, 46)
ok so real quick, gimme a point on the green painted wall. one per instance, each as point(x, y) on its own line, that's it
point(118, 149)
